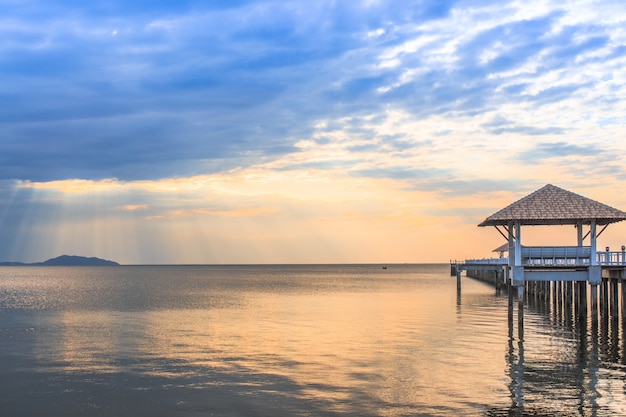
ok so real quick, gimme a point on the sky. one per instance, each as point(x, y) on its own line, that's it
point(284, 131)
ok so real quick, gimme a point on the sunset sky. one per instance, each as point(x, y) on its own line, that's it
point(252, 131)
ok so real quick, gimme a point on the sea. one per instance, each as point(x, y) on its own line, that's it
point(295, 340)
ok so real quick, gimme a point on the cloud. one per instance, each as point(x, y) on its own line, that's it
point(559, 150)
point(499, 126)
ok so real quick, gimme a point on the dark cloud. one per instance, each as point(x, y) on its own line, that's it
point(528, 130)
point(549, 150)
point(451, 186)
point(400, 173)
point(500, 126)
point(559, 93)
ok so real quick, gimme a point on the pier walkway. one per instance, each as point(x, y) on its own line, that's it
point(549, 257)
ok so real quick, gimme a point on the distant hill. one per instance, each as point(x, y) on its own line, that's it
point(66, 260)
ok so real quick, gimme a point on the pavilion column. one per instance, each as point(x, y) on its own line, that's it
point(579, 230)
point(511, 245)
point(518, 243)
point(595, 270)
point(518, 268)
point(511, 256)
point(592, 235)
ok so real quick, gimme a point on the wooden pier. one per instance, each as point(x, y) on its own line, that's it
point(574, 276)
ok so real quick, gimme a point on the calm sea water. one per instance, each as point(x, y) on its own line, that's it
point(293, 341)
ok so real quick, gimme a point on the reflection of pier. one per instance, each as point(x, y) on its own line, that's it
point(577, 290)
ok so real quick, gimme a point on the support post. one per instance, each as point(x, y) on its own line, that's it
point(568, 296)
point(510, 295)
point(614, 298)
point(520, 312)
point(623, 285)
point(594, 302)
point(604, 296)
point(582, 298)
point(576, 297)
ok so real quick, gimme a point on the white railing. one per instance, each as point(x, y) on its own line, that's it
point(562, 256)
point(557, 256)
point(487, 261)
point(612, 258)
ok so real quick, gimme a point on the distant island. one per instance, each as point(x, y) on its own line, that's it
point(66, 260)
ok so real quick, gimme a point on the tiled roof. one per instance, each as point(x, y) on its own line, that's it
point(554, 205)
point(502, 248)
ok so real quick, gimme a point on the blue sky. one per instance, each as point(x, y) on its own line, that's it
point(230, 125)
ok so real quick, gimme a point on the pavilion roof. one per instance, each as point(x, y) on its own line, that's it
point(502, 248)
point(551, 205)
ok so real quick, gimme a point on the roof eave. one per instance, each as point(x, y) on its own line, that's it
point(549, 222)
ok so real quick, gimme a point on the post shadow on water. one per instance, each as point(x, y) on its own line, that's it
point(592, 335)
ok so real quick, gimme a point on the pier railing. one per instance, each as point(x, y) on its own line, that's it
point(555, 257)
point(487, 261)
point(612, 258)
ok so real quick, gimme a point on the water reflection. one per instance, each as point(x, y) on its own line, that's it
point(565, 359)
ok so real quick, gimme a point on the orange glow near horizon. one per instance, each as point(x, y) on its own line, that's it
point(263, 215)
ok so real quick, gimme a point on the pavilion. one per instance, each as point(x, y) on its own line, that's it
point(548, 206)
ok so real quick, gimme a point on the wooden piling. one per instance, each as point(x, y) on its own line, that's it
point(623, 302)
point(568, 296)
point(594, 302)
point(614, 298)
point(520, 312)
point(604, 296)
point(582, 299)
point(574, 301)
